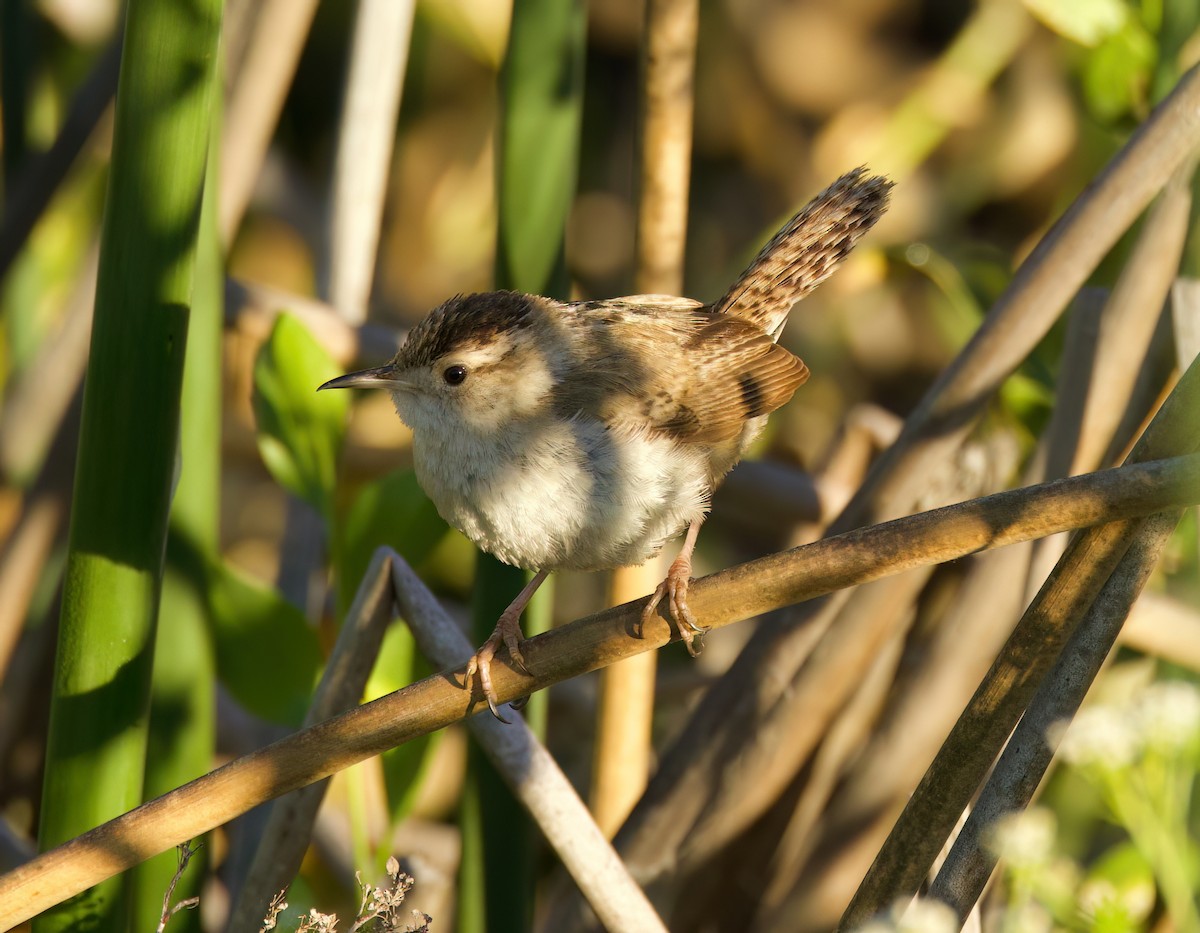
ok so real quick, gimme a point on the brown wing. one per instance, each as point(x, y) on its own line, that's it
point(677, 369)
point(735, 373)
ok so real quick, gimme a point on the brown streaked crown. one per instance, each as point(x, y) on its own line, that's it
point(466, 320)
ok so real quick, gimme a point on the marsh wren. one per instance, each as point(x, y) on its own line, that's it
point(584, 435)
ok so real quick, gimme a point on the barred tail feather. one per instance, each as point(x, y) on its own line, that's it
point(809, 247)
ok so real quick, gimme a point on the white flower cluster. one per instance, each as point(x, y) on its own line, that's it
point(1167, 714)
point(1134, 902)
point(1163, 717)
point(1025, 838)
point(920, 915)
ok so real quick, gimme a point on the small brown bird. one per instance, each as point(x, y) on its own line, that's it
point(585, 435)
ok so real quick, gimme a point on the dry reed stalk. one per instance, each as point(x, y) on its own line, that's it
point(625, 713)
point(1002, 697)
point(739, 710)
point(256, 101)
point(532, 775)
point(288, 831)
point(370, 105)
point(600, 639)
point(1010, 787)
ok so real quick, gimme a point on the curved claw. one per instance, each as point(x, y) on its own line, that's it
point(512, 641)
point(674, 589)
point(496, 712)
point(507, 633)
point(481, 664)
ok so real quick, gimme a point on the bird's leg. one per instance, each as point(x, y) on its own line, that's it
point(507, 633)
point(675, 588)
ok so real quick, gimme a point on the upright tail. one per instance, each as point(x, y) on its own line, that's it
point(809, 247)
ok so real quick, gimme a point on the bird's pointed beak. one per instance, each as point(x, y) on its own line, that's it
point(364, 378)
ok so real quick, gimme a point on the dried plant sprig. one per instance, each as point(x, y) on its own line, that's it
point(380, 909)
point(277, 906)
point(383, 905)
point(184, 852)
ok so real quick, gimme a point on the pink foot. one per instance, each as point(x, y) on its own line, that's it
point(674, 588)
point(507, 633)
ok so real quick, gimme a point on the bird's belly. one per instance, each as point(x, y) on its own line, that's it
point(568, 495)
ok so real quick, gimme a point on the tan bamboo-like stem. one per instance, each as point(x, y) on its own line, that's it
point(370, 104)
point(624, 714)
point(668, 68)
point(721, 599)
point(626, 706)
point(266, 74)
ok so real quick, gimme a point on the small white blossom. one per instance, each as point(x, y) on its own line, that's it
point(1133, 901)
point(875, 926)
point(920, 915)
point(1060, 878)
point(1168, 715)
point(1024, 839)
point(1139, 898)
point(927, 916)
point(317, 922)
point(1028, 918)
point(1095, 895)
point(1101, 736)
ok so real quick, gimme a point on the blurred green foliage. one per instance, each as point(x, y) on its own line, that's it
point(484, 178)
point(256, 630)
point(299, 430)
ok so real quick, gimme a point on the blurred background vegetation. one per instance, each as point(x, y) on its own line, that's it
point(990, 116)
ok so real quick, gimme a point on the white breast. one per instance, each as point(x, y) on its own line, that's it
point(563, 494)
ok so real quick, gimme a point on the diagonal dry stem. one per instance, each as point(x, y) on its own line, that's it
point(286, 836)
point(1002, 697)
point(734, 713)
point(532, 774)
point(264, 77)
point(590, 643)
point(1130, 314)
point(961, 879)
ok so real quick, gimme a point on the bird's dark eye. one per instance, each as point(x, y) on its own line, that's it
point(455, 375)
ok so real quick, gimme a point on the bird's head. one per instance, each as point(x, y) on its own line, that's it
point(479, 361)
